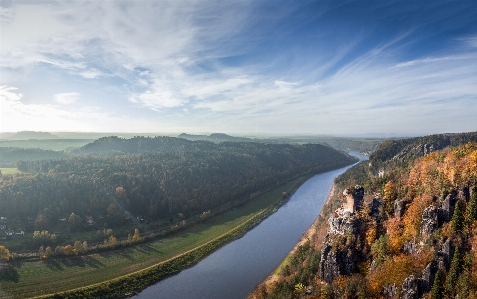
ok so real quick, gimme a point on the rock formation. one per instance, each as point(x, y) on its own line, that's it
point(410, 288)
point(429, 222)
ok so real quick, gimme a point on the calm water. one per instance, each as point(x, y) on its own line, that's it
point(233, 270)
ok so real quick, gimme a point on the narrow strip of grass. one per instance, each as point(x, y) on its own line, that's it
point(9, 170)
point(37, 278)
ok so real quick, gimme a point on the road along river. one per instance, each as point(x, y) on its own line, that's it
point(233, 270)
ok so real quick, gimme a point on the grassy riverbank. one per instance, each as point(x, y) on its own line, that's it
point(111, 274)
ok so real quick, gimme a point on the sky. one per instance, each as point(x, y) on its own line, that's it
point(239, 67)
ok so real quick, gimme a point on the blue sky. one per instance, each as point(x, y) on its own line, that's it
point(309, 67)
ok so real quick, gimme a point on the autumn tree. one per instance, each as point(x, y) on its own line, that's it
point(49, 252)
point(413, 216)
point(4, 253)
point(394, 230)
point(74, 220)
point(41, 223)
point(390, 195)
point(136, 237)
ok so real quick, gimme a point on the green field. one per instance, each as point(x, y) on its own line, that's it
point(9, 170)
point(35, 277)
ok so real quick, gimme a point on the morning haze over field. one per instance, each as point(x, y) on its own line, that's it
point(179, 149)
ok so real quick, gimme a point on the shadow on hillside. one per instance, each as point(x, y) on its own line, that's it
point(147, 248)
point(80, 261)
point(53, 265)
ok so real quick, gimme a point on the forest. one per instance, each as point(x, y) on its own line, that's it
point(113, 181)
point(413, 237)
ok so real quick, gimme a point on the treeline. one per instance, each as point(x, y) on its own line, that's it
point(10, 155)
point(189, 181)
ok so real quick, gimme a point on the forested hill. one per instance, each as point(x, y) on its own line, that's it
point(408, 232)
point(217, 137)
point(412, 148)
point(113, 145)
point(10, 155)
point(163, 177)
point(399, 153)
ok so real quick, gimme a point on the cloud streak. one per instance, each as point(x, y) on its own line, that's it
point(242, 67)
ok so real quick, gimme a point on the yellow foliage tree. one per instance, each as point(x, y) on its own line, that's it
point(413, 216)
point(4, 253)
point(394, 231)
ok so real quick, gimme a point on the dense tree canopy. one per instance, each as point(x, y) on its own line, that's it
point(155, 177)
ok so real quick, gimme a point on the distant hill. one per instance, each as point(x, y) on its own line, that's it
point(9, 156)
point(216, 137)
point(26, 135)
point(392, 153)
point(112, 145)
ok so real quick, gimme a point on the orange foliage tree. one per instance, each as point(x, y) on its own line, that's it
point(413, 216)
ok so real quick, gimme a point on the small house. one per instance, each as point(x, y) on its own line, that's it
point(19, 232)
point(9, 233)
point(89, 220)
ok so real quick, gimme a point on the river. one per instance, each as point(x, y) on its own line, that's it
point(233, 270)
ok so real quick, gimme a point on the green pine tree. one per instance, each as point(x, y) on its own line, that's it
point(438, 286)
point(454, 272)
point(457, 221)
point(471, 211)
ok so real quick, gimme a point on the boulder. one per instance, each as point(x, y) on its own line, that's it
point(429, 222)
point(410, 288)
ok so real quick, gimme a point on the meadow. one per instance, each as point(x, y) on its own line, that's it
point(9, 170)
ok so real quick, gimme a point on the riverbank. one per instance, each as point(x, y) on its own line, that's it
point(123, 272)
point(308, 236)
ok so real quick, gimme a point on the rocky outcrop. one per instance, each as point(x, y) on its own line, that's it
point(341, 222)
point(410, 288)
point(375, 207)
point(336, 259)
point(447, 207)
point(429, 223)
point(390, 291)
point(444, 255)
point(353, 199)
point(427, 278)
point(409, 247)
point(399, 208)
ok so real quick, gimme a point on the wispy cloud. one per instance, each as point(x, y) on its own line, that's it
point(66, 98)
point(237, 65)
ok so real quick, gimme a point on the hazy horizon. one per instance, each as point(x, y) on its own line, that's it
point(349, 68)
